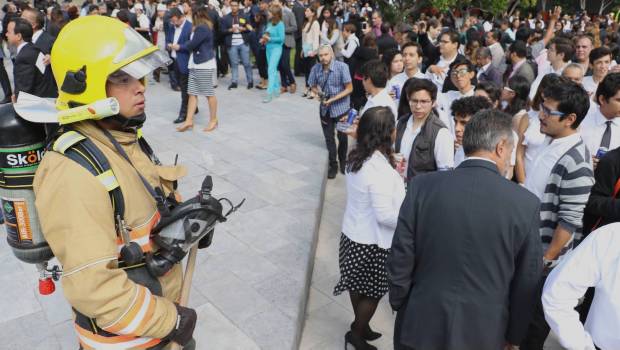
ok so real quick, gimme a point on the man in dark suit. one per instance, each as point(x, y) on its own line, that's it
point(178, 34)
point(486, 70)
point(40, 38)
point(27, 75)
point(386, 42)
point(516, 56)
point(299, 9)
point(466, 256)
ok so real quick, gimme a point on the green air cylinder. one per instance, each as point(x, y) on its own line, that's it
point(22, 145)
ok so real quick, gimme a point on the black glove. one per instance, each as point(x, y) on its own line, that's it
point(186, 322)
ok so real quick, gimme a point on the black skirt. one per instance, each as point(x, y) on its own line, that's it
point(362, 268)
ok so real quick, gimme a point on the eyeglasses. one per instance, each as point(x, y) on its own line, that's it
point(420, 102)
point(547, 112)
point(460, 73)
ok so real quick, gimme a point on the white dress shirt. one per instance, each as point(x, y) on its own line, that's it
point(439, 79)
point(592, 128)
point(175, 38)
point(594, 263)
point(536, 180)
point(374, 196)
point(382, 99)
point(444, 105)
point(590, 86)
point(444, 145)
point(19, 48)
point(36, 35)
point(400, 79)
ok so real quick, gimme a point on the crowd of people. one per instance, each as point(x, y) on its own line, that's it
point(481, 189)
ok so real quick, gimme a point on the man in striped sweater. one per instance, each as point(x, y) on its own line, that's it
point(561, 178)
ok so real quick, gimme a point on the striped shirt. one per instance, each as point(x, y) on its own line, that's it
point(565, 196)
point(332, 82)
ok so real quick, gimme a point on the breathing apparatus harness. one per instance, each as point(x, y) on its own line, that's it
point(181, 225)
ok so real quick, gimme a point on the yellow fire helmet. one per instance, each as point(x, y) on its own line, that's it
point(89, 49)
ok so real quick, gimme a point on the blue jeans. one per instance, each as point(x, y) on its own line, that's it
point(244, 51)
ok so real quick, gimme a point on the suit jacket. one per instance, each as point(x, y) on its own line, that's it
point(290, 27)
point(201, 44)
point(601, 203)
point(431, 52)
point(28, 78)
point(299, 11)
point(182, 59)
point(527, 72)
point(491, 74)
point(45, 42)
point(227, 23)
point(466, 260)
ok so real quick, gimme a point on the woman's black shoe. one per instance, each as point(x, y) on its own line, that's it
point(369, 334)
point(358, 343)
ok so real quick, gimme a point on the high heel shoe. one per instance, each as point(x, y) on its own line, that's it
point(185, 127)
point(369, 334)
point(357, 342)
point(211, 126)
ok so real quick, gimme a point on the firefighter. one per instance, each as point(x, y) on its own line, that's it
point(116, 302)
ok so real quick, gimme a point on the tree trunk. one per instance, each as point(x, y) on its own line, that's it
point(604, 5)
point(582, 4)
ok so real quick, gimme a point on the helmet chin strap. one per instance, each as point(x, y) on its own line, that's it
point(122, 123)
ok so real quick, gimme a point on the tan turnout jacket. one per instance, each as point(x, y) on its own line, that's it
point(76, 216)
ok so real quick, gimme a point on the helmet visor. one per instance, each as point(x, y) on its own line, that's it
point(145, 65)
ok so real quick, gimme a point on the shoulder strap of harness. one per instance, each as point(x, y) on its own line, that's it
point(83, 151)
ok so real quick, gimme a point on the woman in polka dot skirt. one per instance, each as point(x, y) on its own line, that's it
point(375, 192)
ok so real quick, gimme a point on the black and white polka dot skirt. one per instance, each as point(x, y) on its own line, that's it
point(362, 268)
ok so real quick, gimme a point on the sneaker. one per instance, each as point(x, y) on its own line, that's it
point(332, 172)
point(232, 86)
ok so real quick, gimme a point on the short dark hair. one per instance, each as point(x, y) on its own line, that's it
point(519, 48)
point(571, 98)
point(415, 84)
point(495, 34)
point(600, 52)
point(385, 28)
point(22, 27)
point(491, 89)
point(413, 44)
point(453, 36)
point(564, 46)
point(461, 61)
point(376, 71)
point(485, 130)
point(470, 105)
point(608, 87)
point(433, 23)
point(123, 15)
point(547, 80)
point(175, 12)
point(523, 34)
point(39, 17)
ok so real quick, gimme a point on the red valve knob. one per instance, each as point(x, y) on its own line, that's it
point(46, 286)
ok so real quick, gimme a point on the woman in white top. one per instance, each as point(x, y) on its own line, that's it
point(310, 44)
point(375, 193)
point(531, 140)
point(332, 37)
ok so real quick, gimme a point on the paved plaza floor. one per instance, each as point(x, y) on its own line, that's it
point(267, 279)
point(251, 285)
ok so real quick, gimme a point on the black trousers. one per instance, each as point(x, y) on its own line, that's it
point(538, 330)
point(298, 68)
point(184, 97)
point(286, 76)
point(172, 74)
point(308, 63)
point(4, 80)
point(221, 58)
point(261, 62)
point(329, 126)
